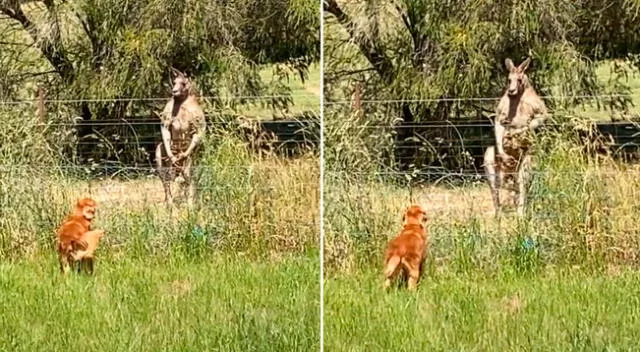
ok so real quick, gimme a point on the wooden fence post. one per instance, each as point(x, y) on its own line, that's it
point(356, 99)
point(40, 107)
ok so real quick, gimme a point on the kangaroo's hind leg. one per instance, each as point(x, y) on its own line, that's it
point(165, 172)
point(524, 178)
point(494, 177)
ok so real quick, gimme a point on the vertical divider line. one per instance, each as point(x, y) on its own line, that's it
point(321, 14)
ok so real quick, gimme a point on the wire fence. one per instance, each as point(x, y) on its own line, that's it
point(132, 141)
point(49, 167)
point(152, 122)
point(155, 99)
point(475, 174)
point(484, 123)
point(463, 142)
point(266, 166)
point(477, 99)
point(427, 124)
point(310, 95)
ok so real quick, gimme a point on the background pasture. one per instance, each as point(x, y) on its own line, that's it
point(239, 272)
point(81, 84)
point(561, 277)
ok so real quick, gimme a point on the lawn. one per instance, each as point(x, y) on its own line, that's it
point(305, 95)
point(604, 74)
point(217, 304)
point(556, 310)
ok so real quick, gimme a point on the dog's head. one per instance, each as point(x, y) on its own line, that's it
point(85, 207)
point(415, 214)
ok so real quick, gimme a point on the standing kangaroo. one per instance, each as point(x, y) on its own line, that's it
point(520, 110)
point(183, 126)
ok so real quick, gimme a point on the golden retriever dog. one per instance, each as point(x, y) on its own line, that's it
point(407, 251)
point(69, 234)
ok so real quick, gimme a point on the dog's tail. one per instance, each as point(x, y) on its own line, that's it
point(391, 266)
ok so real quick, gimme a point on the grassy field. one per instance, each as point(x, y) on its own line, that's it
point(305, 95)
point(557, 310)
point(239, 272)
point(562, 277)
point(218, 304)
point(605, 76)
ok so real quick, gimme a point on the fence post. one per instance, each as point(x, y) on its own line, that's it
point(40, 107)
point(356, 98)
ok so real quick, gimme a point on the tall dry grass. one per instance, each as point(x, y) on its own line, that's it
point(581, 210)
point(249, 203)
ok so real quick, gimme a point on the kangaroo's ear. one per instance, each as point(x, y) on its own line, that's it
point(509, 64)
point(524, 65)
point(176, 73)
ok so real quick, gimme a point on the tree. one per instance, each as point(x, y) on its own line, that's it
point(118, 48)
point(120, 51)
point(423, 49)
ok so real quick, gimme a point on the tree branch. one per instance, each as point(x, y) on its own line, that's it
point(374, 54)
point(420, 41)
point(49, 48)
point(98, 48)
point(367, 45)
point(25, 75)
point(343, 73)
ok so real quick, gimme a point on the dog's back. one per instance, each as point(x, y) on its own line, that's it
point(411, 238)
point(407, 251)
point(408, 246)
point(70, 231)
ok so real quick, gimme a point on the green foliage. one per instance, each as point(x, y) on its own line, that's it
point(357, 145)
point(23, 139)
point(415, 49)
point(245, 203)
point(609, 29)
point(115, 48)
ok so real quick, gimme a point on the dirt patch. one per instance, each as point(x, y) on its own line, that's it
point(462, 202)
point(126, 192)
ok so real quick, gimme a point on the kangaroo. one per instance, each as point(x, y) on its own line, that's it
point(519, 110)
point(183, 127)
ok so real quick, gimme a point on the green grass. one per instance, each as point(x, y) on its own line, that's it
point(240, 272)
point(604, 74)
point(553, 311)
point(306, 96)
point(220, 304)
